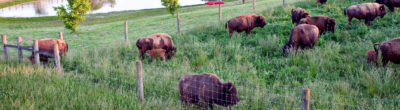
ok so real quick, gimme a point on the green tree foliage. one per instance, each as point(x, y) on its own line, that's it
point(74, 13)
point(171, 5)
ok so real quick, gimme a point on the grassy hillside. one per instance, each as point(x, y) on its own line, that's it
point(100, 71)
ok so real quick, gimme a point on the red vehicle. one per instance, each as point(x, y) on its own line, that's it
point(215, 2)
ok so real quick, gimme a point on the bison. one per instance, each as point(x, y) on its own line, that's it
point(391, 4)
point(390, 51)
point(206, 90)
point(298, 14)
point(245, 23)
point(157, 52)
point(156, 41)
point(302, 36)
point(366, 11)
point(324, 23)
point(321, 1)
point(46, 45)
point(371, 56)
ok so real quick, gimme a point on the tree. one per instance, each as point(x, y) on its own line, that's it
point(76, 9)
point(171, 5)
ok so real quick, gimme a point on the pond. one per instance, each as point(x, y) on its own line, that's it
point(45, 7)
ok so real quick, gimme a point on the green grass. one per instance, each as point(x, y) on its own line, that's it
point(100, 71)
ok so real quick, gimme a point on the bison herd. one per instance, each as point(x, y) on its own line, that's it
point(206, 89)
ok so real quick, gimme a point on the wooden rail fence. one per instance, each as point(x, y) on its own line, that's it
point(35, 50)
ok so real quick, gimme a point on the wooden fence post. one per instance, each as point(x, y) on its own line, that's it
point(243, 1)
point(5, 50)
point(19, 45)
point(283, 2)
point(36, 52)
point(306, 99)
point(254, 6)
point(139, 79)
point(57, 58)
point(126, 32)
point(177, 21)
point(60, 35)
point(219, 5)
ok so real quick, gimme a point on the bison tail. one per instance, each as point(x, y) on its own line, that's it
point(376, 53)
point(226, 24)
point(345, 11)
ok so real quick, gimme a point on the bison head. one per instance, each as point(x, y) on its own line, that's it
point(144, 44)
point(261, 21)
point(382, 11)
point(229, 95)
point(286, 48)
point(331, 24)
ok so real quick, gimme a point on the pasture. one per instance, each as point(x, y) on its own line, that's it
point(99, 70)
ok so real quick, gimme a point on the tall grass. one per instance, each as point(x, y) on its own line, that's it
point(104, 77)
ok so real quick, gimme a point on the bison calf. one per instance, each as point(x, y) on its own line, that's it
point(245, 23)
point(391, 4)
point(371, 56)
point(46, 45)
point(390, 51)
point(302, 36)
point(366, 11)
point(156, 41)
point(324, 23)
point(206, 90)
point(157, 52)
point(298, 14)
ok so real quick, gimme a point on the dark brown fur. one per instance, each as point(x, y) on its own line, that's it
point(46, 45)
point(302, 36)
point(390, 51)
point(245, 23)
point(156, 41)
point(391, 4)
point(366, 11)
point(321, 1)
point(298, 14)
point(324, 23)
point(371, 56)
point(206, 90)
point(157, 52)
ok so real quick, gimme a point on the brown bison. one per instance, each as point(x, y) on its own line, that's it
point(46, 45)
point(157, 52)
point(302, 36)
point(324, 23)
point(390, 51)
point(245, 23)
point(156, 41)
point(391, 4)
point(206, 90)
point(371, 56)
point(298, 14)
point(366, 11)
point(321, 1)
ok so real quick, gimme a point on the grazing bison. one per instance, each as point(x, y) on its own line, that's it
point(298, 14)
point(245, 23)
point(156, 41)
point(366, 11)
point(371, 56)
point(321, 1)
point(206, 90)
point(324, 23)
point(391, 4)
point(302, 36)
point(157, 52)
point(46, 45)
point(390, 51)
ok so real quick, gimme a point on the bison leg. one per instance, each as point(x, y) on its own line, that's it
point(350, 18)
point(230, 33)
point(248, 32)
point(142, 55)
point(385, 62)
point(367, 22)
point(211, 106)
